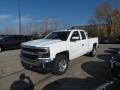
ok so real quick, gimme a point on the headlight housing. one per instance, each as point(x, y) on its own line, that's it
point(44, 53)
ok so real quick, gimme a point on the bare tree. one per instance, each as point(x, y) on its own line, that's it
point(116, 21)
point(104, 13)
point(103, 20)
point(107, 21)
point(9, 30)
point(66, 24)
point(49, 24)
point(54, 23)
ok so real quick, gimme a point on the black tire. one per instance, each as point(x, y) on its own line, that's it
point(60, 64)
point(93, 52)
point(0, 49)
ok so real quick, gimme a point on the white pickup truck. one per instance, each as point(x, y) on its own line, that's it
point(56, 50)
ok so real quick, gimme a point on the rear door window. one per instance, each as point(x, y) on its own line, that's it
point(82, 35)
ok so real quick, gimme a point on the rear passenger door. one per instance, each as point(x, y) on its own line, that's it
point(84, 42)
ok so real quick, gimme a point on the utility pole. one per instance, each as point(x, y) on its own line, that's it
point(19, 16)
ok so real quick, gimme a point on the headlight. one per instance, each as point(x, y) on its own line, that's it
point(44, 53)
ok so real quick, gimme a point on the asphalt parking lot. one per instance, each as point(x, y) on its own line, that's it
point(84, 73)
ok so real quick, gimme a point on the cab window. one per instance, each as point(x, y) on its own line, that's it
point(82, 35)
point(75, 35)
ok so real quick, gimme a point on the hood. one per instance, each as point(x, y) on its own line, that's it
point(40, 42)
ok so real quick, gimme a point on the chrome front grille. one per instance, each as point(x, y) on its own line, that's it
point(29, 53)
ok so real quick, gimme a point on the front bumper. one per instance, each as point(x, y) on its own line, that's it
point(39, 63)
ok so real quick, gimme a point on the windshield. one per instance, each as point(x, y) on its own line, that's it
point(62, 35)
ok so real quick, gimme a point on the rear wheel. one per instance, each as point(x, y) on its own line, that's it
point(60, 64)
point(93, 52)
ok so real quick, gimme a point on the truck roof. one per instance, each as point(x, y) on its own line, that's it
point(69, 30)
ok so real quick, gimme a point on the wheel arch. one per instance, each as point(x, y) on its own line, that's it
point(94, 45)
point(66, 53)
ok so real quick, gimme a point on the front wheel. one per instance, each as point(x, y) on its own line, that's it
point(60, 65)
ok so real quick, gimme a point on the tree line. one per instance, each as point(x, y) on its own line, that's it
point(106, 21)
point(42, 27)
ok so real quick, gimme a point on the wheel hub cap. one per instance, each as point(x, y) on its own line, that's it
point(62, 65)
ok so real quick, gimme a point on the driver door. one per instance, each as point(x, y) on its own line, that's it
point(75, 45)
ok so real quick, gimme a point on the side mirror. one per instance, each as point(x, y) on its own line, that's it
point(75, 38)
